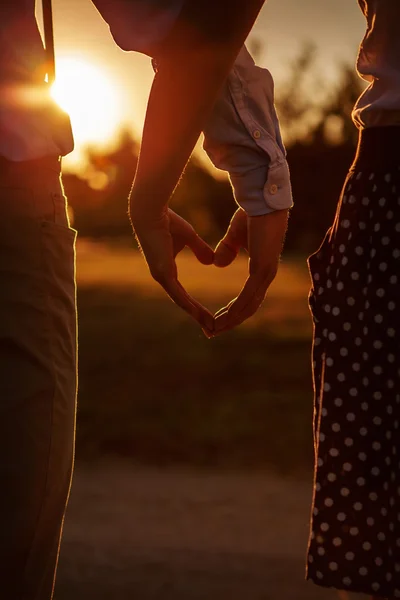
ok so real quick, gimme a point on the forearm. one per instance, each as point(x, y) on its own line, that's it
point(192, 68)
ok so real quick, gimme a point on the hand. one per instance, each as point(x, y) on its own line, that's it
point(263, 238)
point(160, 239)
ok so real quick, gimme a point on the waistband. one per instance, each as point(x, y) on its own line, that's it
point(378, 147)
point(14, 167)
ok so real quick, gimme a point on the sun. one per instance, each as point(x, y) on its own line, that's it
point(89, 95)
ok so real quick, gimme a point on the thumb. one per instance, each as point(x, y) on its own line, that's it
point(202, 251)
point(225, 252)
point(234, 239)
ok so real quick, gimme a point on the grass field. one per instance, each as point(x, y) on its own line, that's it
point(154, 389)
point(193, 478)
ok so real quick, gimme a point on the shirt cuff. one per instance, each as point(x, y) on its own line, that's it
point(263, 190)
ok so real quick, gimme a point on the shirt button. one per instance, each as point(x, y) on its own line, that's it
point(273, 188)
point(257, 134)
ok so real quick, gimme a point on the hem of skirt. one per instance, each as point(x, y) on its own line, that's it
point(356, 589)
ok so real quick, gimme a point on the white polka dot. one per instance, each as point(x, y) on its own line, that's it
point(333, 566)
point(370, 521)
point(376, 446)
point(341, 377)
point(336, 311)
point(349, 555)
point(341, 516)
point(361, 481)
point(375, 586)
point(359, 250)
point(328, 502)
point(346, 581)
point(378, 319)
point(385, 240)
point(355, 276)
point(363, 431)
point(363, 570)
point(336, 427)
point(345, 224)
point(349, 442)
point(364, 406)
point(347, 467)
point(381, 537)
point(373, 496)
point(344, 492)
point(377, 421)
point(343, 352)
point(357, 506)
point(319, 575)
point(353, 391)
point(337, 541)
point(342, 248)
point(393, 279)
point(321, 551)
point(362, 456)
point(367, 546)
point(331, 477)
point(334, 452)
point(377, 344)
point(332, 336)
point(338, 402)
point(351, 417)
point(354, 531)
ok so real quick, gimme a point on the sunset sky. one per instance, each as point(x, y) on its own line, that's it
point(104, 87)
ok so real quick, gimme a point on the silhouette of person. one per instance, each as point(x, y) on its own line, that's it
point(197, 87)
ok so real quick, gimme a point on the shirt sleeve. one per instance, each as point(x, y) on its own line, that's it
point(242, 137)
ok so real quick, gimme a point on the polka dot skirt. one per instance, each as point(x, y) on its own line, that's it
point(355, 303)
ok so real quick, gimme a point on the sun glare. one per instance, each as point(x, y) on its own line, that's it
point(90, 97)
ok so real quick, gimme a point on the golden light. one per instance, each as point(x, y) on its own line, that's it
point(90, 96)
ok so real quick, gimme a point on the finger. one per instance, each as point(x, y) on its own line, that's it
point(202, 251)
point(196, 310)
point(224, 309)
point(234, 239)
point(178, 245)
point(245, 305)
point(225, 253)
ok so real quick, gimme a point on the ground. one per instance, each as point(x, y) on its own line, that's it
point(153, 534)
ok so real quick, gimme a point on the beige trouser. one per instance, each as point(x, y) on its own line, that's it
point(37, 374)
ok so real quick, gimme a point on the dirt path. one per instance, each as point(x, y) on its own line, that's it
point(147, 534)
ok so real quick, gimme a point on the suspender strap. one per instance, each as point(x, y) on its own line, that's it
point(49, 40)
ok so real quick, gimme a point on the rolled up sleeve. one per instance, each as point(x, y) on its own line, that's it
point(242, 137)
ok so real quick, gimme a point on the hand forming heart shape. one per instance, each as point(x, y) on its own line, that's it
point(161, 239)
